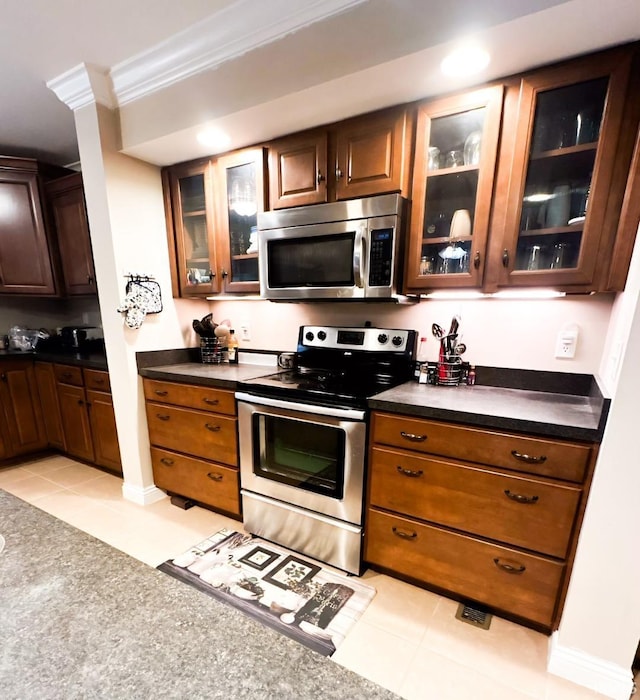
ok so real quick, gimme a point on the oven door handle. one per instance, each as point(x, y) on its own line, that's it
point(347, 413)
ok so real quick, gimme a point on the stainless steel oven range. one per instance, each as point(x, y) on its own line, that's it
point(303, 439)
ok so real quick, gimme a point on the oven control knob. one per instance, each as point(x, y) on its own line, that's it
point(309, 336)
point(382, 338)
point(397, 340)
point(322, 335)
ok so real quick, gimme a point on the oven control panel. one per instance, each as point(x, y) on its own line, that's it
point(365, 339)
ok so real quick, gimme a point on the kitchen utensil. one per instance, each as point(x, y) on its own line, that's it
point(459, 349)
point(197, 327)
point(437, 330)
point(209, 326)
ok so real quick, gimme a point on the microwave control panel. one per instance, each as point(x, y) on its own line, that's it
point(381, 257)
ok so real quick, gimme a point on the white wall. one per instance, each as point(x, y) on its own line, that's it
point(497, 332)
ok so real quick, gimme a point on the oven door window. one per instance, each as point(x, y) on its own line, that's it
point(314, 261)
point(308, 456)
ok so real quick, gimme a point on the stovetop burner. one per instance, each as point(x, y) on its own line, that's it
point(341, 366)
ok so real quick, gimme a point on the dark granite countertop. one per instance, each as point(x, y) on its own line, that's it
point(94, 360)
point(570, 416)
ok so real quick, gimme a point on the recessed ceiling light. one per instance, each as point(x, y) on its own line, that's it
point(213, 138)
point(465, 60)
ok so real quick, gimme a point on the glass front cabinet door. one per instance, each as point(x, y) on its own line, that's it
point(566, 140)
point(240, 195)
point(456, 148)
point(193, 221)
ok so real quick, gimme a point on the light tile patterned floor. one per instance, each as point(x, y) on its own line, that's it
point(408, 639)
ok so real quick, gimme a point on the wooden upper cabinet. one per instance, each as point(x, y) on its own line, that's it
point(239, 186)
point(364, 156)
point(456, 151)
point(25, 257)
point(68, 211)
point(212, 207)
point(373, 154)
point(298, 170)
point(562, 167)
point(191, 228)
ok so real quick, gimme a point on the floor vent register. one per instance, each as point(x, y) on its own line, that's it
point(474, 616)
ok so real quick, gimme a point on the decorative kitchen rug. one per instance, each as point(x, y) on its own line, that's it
point(300, 599)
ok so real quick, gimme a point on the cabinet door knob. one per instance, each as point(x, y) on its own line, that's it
point(80, 402)
point(211, 427)
point(319, 177)
point(520, 498)
point(505, 258)
point(214, 476)
point(3, 376)
point(409, 472)
point(225, 274)
point(529, 459)
point(167, 461)
point(212, 274)
point(412, 437)
point(338, 173)
point(476, 259)
point(403, 534)
point(510, 568)
point(89, 279)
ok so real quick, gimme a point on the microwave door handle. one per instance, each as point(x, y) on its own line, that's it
point(358, 255)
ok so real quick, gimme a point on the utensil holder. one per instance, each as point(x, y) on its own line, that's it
point(210, 351)
point(449, 373)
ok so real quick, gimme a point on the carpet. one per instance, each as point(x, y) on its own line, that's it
point(283, 590)
point(81, 620)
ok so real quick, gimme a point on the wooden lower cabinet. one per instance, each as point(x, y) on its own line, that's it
point(104, 433)
point(505, 578)
point(443, 510)
point(75, 421)
point(194, 443)
point(210, 483)
point(23, 428)
point(46, 380)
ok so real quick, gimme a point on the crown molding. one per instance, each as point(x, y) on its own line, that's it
point(83, 85)
point(241, 27)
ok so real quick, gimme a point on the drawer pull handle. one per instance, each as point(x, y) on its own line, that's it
point(409, 472)
point(528, 458)
point(413, 437)
point(212, 428)
point(211, 402)
point(519, 498)
point(159, 392)
point(99, 381)
point(167, 461)
point(159, 416)
point(214, 477)
point(509, 568)
point(403, 534)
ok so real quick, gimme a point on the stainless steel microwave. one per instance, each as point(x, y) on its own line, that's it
point(345, 250)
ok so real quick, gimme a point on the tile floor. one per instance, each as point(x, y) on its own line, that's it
point(408, 639)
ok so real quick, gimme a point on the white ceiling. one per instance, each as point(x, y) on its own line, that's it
point(373, 53)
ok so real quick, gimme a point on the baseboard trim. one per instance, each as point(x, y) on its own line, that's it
point(143, 496)
point(592, 672)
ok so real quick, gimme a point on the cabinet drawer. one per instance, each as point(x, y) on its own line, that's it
point(506, 579)
point(206, 482)
point(68, 374)
point(562, 460)
point(191, 396)
point(97, 380)
point(520, 511)
point(194, 432)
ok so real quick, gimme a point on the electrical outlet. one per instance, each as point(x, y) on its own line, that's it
point(566, 343)
point(245, 333)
